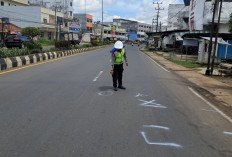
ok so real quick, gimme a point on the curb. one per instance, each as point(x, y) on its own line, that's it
point(19, 61)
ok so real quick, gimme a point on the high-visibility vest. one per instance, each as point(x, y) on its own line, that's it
point(119, 57)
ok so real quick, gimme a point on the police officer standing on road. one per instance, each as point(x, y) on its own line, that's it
point(118, 55)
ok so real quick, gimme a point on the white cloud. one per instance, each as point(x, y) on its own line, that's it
point(147, 10)
point(142, 11)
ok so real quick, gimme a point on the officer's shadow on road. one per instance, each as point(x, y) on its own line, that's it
point(105, 88)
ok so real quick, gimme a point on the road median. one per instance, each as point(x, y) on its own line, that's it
point(18, 61)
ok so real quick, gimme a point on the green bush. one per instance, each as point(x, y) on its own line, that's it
point(106, 43)
point(94, 42)
point(31, 45)
point(46, 42)
point(36, 51)
point(63, 45)
point(86, 45)
point(83, 46)
point(53, 49)
point(99, 44)
point(4, 53)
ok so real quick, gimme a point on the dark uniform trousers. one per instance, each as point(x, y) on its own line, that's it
point(117, 75)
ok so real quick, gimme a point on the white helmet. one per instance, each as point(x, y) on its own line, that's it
point(118, 45)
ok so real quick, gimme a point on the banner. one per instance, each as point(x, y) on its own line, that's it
point(74, 27)
point(49, 25)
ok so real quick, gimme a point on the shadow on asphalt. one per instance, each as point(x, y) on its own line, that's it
point(105, 88)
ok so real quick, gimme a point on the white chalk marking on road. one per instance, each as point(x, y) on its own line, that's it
point(209, 110)
point(146, 104)
point(160, 144)
point(211, 105)
point(105, 93)
point(95, 79)
point(156, 126)
point(227, 133)
point(155, 106)
point(158, 64)
point(140, 95)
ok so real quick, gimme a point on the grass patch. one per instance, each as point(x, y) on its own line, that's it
point(4, 53)
point(45, 42)
point(188, 64)
point(146, 48)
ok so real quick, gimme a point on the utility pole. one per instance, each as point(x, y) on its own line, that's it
point(102, 25)
point(56, 25)
point(152, 28)
point(158, 12)
point(207, 72)
point(2, 34)
point(216, 38)
point(56, 22)
point(160, 26)
point(85, 6)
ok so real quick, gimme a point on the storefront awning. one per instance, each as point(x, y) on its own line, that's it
point(189, 32)
point(219, 40)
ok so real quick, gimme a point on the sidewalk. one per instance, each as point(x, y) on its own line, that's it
point(218, 92)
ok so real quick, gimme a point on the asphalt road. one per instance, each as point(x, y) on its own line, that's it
point(67, 108)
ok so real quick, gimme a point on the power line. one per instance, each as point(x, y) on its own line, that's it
point(158, 12)
point(17, 13)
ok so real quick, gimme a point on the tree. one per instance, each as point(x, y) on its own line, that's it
point(230, 23)
point(31, 31)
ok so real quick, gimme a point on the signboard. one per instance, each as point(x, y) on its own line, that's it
point(113, 33)
point(74, 27)
point(192, 24)
point(198, 14)
point(192, 15)
point(193, 5)
point(49, 25)
point(5, 20)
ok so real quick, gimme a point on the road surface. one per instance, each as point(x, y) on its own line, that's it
point(67, 108)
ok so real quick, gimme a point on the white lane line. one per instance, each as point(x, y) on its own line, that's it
point(211, 105)
point(95, 79)
point(227, 133)
point(156, 126)
point(159, 65)
point(160, 144)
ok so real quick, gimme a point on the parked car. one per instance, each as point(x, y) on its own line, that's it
point(15, 40)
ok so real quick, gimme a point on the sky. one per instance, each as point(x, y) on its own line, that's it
point(139, 10)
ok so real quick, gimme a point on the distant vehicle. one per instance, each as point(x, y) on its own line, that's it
point(73, 38)
point(16, 40)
